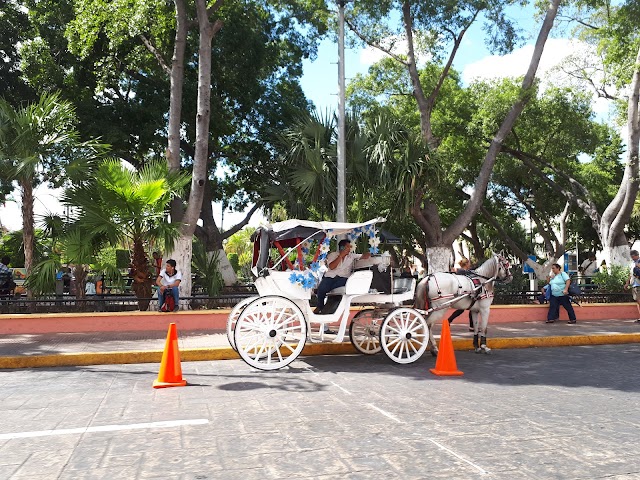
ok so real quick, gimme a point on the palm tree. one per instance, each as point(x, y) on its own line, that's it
point(39, 142)
point(311, 160)
point(124, 207)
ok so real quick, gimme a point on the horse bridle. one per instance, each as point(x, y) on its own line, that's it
point(503, 264)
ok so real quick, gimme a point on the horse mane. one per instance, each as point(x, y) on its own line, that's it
point(488, 267)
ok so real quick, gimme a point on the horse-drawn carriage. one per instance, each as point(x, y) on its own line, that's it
point(269, 331)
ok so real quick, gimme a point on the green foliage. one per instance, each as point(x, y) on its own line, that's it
point(123, 259)
point(206, 267)
point(612, 280)
point(520, 282)
point(120, 206)
point(11, 245)
point(42, 280)
point(240, 247)
point(39, 142)
point(14, 32)
point(234, 261)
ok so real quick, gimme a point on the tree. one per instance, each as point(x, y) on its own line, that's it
point(123, 207)
point(611, 29)
point(558, 125)
point(38, 142)
point(450, 21)
point(250, 101)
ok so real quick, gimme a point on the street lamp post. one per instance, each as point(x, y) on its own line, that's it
point(342, 143)
point(533, 283)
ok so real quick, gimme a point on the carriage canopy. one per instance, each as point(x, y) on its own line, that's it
point(294, 233)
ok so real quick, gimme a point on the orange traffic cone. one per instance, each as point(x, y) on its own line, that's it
point(446, 361)
point(170, 371)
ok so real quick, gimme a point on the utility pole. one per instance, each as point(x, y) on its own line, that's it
point(342, 141)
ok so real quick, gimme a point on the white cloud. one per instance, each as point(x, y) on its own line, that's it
point(516, 63)
point(557, 52)
point(46, 201)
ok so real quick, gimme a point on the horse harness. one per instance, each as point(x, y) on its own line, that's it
point(479, 292)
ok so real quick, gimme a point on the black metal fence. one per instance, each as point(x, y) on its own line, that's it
point(530, 297)
point(231, 296)
point(117, 302)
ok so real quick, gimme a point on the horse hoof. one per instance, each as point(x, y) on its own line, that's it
point(485, 349)
point(478, 350)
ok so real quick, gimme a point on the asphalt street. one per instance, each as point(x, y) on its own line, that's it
point(541, 413)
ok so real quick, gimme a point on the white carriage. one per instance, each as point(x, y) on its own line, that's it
point(269, 331)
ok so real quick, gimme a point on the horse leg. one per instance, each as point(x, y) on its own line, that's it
point(431, 321)
point(482, 348)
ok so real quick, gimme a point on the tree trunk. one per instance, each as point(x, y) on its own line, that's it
point(182, 251)
point(616, 254)
point(212, 238)
point(207, 31)
point(439, 259)
point(175, 100)
point(428, 217)
point(140, 273)
point(618, 213)
point(480, 187)
point(26, 186)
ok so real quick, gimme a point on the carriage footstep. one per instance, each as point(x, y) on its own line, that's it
point(434, 353)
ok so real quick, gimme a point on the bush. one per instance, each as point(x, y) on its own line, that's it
point(613, 280)
point(520, 282)
point(234, 261)
point(123, 259)
point(206, 267)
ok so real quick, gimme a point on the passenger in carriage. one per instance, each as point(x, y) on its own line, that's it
point(340, 266)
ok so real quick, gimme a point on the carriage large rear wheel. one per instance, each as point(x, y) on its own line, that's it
point(233, 318)
point(270, 332)
point(364, 331)
point(404, 335)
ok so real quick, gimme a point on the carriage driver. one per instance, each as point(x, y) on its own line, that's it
point(340, 265)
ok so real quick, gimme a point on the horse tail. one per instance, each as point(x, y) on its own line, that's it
point(421, 299)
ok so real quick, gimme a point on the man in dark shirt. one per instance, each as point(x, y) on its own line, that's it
point(7, 285)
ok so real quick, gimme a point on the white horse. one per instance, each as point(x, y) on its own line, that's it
point(438, 292)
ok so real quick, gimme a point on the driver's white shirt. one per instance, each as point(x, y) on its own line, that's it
point(344, 269)
point(593, 266)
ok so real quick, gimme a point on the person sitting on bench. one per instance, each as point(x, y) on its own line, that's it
point(340, 266)
point(169, 283)
point(7, 285)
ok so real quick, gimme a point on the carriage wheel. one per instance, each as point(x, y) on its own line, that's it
point(270, 332)
point(364, 331)
point(233, 318)
point(404, 335)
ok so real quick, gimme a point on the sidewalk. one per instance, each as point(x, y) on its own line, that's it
point(57, 349)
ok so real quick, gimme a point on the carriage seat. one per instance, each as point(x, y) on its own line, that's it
point(357, 284)
point(403, 285)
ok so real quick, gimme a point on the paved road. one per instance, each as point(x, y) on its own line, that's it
point(568, 413)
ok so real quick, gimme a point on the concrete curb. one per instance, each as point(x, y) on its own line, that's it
point(227, 353)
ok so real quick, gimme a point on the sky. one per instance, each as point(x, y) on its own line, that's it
point(320, 84)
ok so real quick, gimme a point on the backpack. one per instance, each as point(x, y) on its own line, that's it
point(169, 304)
point(636, 271)
point(574, 289)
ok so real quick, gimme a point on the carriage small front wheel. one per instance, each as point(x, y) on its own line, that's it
point(404, 335)
point(364, 331)
point(270, 332)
